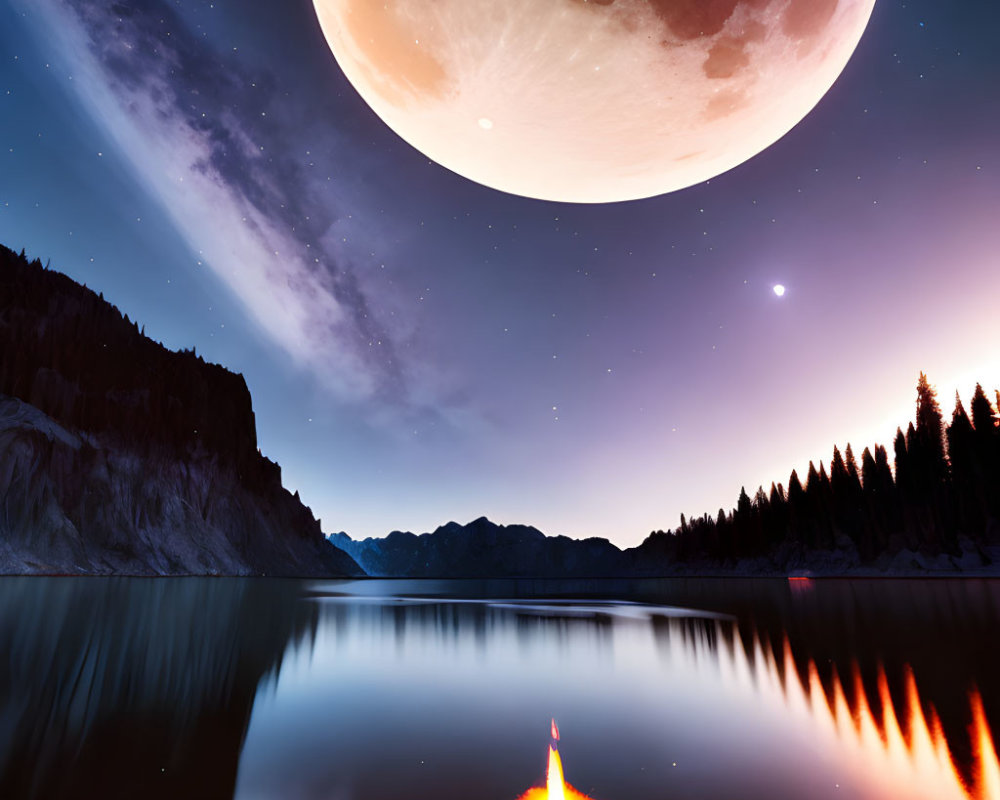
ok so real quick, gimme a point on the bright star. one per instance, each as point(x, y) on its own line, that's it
point(779, 290)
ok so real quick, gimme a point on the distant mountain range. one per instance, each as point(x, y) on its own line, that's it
point(482, 549)
point(118, 455)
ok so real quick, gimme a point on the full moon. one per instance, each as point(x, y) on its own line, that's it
point(592, 101)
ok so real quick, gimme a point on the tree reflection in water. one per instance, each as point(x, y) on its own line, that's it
point(137, 687)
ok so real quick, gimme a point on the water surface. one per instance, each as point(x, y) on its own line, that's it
point(429, 689)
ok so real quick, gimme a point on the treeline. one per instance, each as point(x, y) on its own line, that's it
point(71, 354)
point(945, 485)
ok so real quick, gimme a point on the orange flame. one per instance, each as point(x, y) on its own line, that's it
point(556, 787)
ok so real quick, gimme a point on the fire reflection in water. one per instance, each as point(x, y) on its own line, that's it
point(556, 787)
point(905, 754)
point(896, 750)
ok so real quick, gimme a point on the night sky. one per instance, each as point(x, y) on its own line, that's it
point(421, 348)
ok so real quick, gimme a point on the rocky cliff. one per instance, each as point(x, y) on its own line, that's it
point(118, 455)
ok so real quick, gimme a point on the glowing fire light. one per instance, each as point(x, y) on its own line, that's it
point(917, 763)
point(556, 787)
point(901, 752)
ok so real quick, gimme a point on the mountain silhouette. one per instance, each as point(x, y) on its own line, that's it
point(118, 455)
point(481, 549)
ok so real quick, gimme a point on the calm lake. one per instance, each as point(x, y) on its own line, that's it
point(370, 690)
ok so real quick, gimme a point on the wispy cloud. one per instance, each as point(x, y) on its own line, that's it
point(219, 148)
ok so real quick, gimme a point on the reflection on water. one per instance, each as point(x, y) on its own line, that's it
point(377, 689)
point(900, 750)
point(132, 687)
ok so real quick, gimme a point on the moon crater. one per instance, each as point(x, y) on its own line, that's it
point(592, 100)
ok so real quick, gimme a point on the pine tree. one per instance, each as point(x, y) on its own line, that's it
point(983, 419)
point(907, 449)
point(868, 472)
point(776, 522)
point(874, 499)
point(962, 458)
point(902, 462)
point(884, 470)
point(838, 472)
point(742, 524)
point(986, 453)
point(930, 431)
point(818, 533)
point(760, 500)
point(812, 478)
point(743, 505)
point(795, 492)
point(927, 505)
point(846, 488)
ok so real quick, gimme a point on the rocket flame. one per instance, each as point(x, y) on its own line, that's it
point(556, 787)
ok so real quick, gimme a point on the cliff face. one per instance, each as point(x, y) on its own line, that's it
point(120, 456)
point(74, 356)
point(481, 549)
